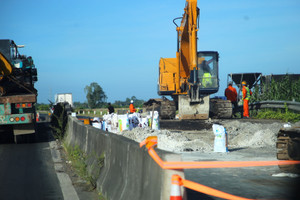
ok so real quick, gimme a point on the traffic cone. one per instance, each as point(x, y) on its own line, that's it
point(175, 188)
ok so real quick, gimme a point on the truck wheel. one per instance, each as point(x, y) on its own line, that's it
point(6, 134)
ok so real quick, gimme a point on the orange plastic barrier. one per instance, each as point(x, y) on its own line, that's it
point(151, 142)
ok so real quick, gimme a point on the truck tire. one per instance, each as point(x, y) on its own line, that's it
point(6, 134)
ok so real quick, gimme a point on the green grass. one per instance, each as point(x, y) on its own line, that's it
point(78, 159)
point(279, 114)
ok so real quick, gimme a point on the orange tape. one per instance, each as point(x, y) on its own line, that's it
point(215, 164)
point(210, 191)
point(152, 141)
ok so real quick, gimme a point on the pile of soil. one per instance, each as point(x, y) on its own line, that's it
point(241, 134)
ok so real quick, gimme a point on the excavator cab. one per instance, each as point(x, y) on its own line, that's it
point(208, 72)
point(204, 79)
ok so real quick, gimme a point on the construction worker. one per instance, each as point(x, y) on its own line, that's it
point(206, 79)
point(231, 94)
point(246, 96)
point(110, 108)
point(131, 107)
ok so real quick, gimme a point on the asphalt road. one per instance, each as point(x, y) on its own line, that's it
point(27, 170)
point(36, 168)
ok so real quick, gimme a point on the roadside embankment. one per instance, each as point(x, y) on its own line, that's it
point(119, 167)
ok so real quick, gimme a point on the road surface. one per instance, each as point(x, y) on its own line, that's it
point(36, 171)
point(250, 182)
point(27, 170)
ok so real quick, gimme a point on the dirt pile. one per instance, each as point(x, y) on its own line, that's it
point(241, 134)
point(247, 134)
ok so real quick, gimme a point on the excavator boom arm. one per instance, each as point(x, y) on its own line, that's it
point(187, 39)
point(5, 66)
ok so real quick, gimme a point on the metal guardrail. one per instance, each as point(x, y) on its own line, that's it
point(291, 105)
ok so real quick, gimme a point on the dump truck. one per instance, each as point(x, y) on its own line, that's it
point(18, 95)
point(192, 76)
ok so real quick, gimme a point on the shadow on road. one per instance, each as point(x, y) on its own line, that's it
point(194, 195)
point(43, 134)
point(236, 149)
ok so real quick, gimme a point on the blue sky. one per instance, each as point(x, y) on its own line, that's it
point(118, 43)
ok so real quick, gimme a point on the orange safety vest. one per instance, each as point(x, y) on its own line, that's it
point(246, 93)
point(231, 93)
point(246, 96)
point(131, 108)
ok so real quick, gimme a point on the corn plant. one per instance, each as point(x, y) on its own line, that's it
point(285, 89)
point(59, 120)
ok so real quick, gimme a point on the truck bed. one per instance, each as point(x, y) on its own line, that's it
point(23, 98)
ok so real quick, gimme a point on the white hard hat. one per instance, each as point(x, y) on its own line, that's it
point(131, 101)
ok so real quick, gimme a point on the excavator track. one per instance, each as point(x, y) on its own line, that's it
point(288, 148)
point(165, 107)
point(220, 109)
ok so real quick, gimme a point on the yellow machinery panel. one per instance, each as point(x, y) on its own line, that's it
point(5, 66)
point(167, 74)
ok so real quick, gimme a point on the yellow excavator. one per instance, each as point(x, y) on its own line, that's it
point(192, 76)
point(5, 66)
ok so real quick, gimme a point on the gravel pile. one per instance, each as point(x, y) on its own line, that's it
point(240, 135)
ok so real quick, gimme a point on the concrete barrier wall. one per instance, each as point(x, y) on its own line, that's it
point(128, 172)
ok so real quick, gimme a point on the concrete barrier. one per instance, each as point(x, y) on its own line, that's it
point(128, 172)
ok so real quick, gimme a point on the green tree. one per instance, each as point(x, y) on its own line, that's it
point(95, 95)
point(137, 102)
point(80, 105)
point(43, 106)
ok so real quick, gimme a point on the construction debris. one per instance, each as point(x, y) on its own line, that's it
point(240, 135)
point(117, 123)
